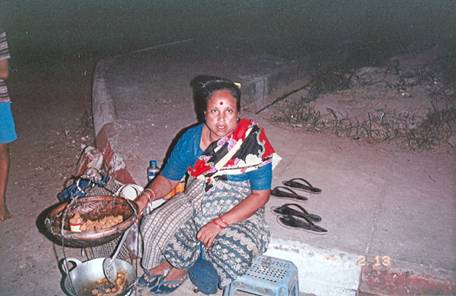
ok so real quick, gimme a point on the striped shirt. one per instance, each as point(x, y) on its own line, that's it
point(4, 54)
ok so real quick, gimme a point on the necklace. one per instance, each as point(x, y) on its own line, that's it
point(212, 139)
point(206, 139)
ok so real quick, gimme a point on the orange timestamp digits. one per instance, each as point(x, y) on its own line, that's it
point(379, 261)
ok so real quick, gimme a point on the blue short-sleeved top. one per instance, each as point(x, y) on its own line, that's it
point(187, 150)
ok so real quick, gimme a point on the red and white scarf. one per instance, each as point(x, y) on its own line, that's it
point(246, 149)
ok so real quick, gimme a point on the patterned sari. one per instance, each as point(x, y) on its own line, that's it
point(170, 231)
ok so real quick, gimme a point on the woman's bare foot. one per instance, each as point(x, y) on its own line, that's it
point(4, 213)
point(163, 278)
point(161, 269)
point(151, 277)
point(175, 274)
point(173, 280)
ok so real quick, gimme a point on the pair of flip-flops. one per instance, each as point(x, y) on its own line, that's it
point(298, 183)
point(295, 216)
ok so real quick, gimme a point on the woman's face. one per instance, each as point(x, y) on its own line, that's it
point(221, 114)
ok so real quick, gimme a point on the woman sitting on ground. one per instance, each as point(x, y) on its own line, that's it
point(229, 165)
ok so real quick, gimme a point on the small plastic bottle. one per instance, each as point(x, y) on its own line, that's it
point(152, 170)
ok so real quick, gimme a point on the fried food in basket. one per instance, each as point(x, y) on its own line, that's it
point(103, 287)
point(94, 225)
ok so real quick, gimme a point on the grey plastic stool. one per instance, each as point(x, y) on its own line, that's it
point(267, 276)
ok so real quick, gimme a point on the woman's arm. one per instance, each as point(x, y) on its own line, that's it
point(157, 189)
point(247, 207)
point(260, 184)
point(238, 213)
point(181, 157)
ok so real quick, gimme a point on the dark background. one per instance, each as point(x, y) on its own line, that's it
point(52, 29)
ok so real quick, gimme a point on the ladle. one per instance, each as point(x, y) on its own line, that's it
point(109, 267)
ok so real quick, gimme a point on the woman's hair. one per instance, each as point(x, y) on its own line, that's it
point(204, 86)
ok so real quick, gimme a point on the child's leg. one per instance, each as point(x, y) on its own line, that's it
point(4, 167)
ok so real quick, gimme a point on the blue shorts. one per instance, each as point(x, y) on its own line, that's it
point(7, 127)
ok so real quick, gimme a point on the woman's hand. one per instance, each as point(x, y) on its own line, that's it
point(207, 234)
point(156, 190)
point(141, 201)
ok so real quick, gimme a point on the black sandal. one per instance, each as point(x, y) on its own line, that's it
point(305, 185)
point(295, 222)
point(282, 191)
point(286, 210)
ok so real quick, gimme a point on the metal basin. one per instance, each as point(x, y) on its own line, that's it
point(86, 274)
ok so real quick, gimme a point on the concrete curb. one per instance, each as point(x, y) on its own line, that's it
point(335, 272)
point(262, 90)
point(102, 104)
point(104, 115)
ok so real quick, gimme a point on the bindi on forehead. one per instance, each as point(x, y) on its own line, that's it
point(221, 103)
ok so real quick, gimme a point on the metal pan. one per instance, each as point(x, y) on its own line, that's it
point(86, 274)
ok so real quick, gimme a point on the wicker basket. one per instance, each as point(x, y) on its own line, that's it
point(93, 208)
